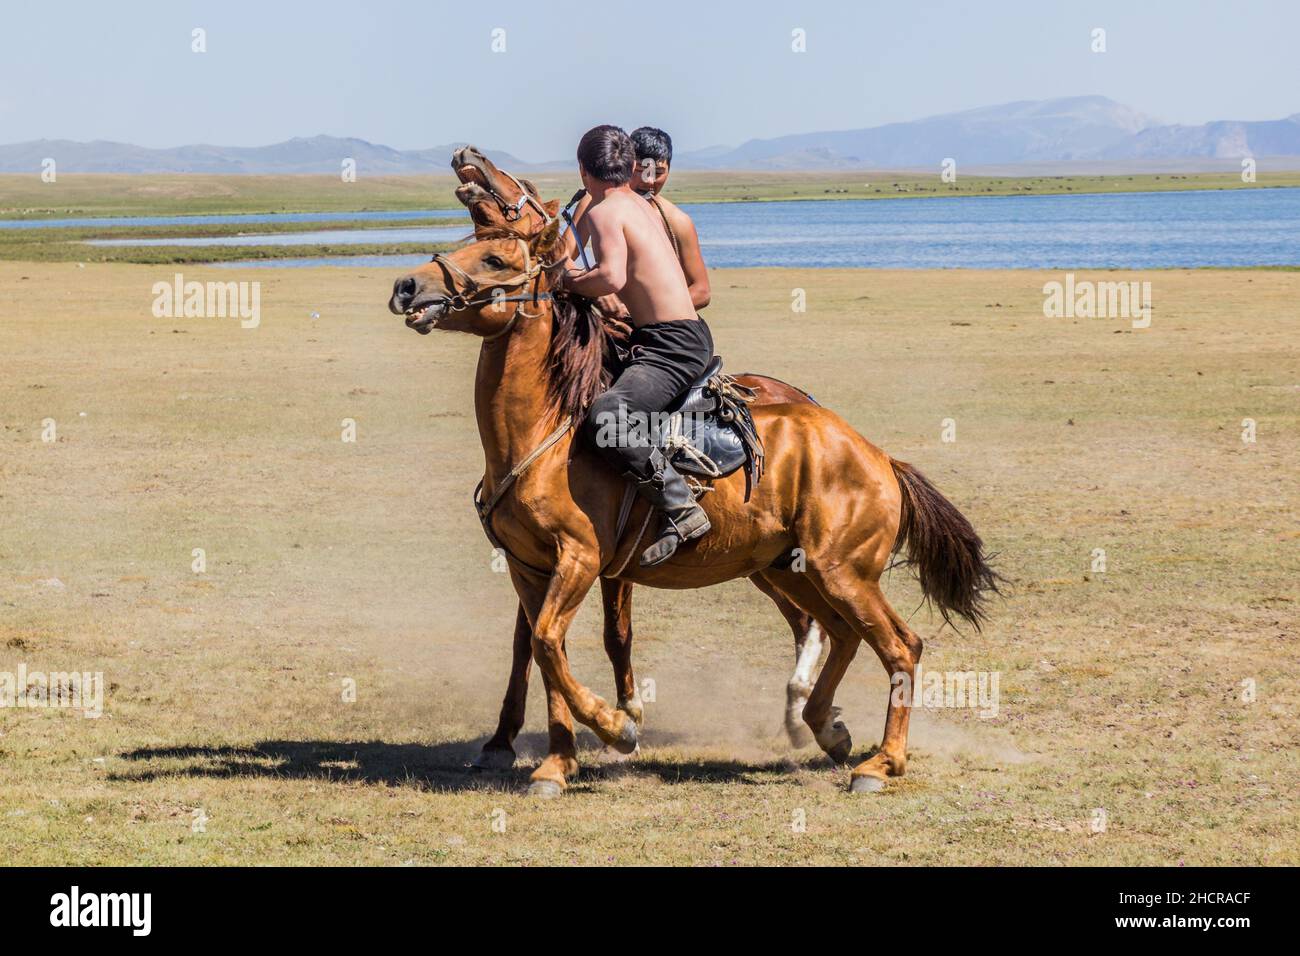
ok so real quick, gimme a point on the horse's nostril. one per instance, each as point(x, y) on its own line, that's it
point(404, 290)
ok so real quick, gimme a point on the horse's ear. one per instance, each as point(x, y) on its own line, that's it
point(547, 239)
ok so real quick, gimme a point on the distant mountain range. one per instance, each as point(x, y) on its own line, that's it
point(315, 154)
point(1012, 132)
point(1080, 129)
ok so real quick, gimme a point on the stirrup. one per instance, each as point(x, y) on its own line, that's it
point(673, 536)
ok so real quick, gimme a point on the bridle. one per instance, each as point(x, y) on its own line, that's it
point(513, 211)
point(463, 298)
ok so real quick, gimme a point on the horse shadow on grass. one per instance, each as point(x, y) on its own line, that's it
point(437, 767)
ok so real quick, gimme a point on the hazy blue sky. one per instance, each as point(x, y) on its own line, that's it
point(414, 74)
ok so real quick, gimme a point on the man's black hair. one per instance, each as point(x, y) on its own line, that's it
point(606, 153)
point(652, 143)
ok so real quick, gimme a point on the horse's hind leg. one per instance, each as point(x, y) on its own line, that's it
point(899, 651)
point(819, 713)
point(616, 600)
point(807, 652)
point(860, 601)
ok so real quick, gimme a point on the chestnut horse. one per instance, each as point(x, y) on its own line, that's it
point(497, 200)
point(554, 505)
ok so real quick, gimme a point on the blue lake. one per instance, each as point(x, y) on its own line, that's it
point(1243, 227)
point(1117, 230)
point(1234, 227)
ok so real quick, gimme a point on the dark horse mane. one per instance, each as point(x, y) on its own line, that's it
point(581, 339)
point(575, 359)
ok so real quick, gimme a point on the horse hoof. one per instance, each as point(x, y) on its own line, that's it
point(799, 734)
point(835, 740)
point(626, 741)
point(841, 752)
point(866, 784)
point(494, 760)
point(545, 789)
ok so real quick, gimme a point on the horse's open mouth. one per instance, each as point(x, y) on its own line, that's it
point(424, 318)
point(470, 174)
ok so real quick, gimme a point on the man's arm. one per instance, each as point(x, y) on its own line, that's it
point(697, 276)
point(610, 246)
point(610, 305)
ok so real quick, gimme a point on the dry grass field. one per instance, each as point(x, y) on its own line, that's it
point(226, 736)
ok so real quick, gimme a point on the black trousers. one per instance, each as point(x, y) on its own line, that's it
point(666, 358)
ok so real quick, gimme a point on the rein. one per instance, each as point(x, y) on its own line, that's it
point(484, 508)
point(569, 224)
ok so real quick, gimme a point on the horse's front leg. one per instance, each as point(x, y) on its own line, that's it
point(553, 607)
point(499, 752)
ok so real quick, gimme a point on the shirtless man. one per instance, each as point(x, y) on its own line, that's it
point(670, 345)
point(654, 157)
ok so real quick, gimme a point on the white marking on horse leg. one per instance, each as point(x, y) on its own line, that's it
point(800, 685)
point(809, 655)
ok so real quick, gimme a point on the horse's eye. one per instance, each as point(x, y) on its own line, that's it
point(494, 262)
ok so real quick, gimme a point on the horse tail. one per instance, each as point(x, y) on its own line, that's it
point(943, 548)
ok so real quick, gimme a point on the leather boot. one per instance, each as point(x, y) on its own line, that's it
point(684, 519)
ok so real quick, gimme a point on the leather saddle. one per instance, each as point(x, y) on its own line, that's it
point(710, 432)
